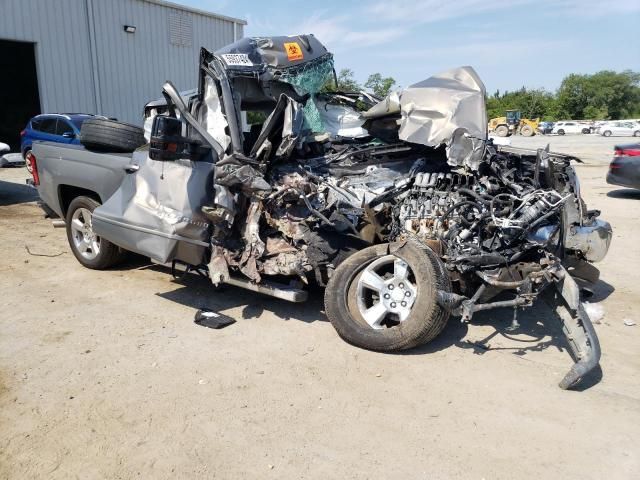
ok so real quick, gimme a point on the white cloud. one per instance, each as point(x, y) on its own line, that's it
point(597, 8)
point(417, 12)
point(338, 34)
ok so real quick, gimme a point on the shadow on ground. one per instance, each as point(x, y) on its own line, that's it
point(540, 327)
point(197, 292)
point(600, 291)
point(624, 193)
point(12, 193)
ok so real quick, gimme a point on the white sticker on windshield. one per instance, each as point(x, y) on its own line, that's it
point(237, 59)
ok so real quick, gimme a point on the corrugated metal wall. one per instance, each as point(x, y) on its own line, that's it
point(126, 70)
point(59, 29)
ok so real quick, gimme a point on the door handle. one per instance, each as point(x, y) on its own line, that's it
point(131, 168)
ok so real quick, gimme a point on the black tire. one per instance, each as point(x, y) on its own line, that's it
point(426, 319)
point(111, 136)
point(502, 131)
point(109, 254)
point(560, 132)
point(585, 131)
point(527, 131)
point(607, 133)
point(636, 133)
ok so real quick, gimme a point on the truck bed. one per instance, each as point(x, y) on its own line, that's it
point(63, 168)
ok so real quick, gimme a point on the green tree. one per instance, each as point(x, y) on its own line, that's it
point(606, 94)
point(534, 103)
point(346, 82)
point(379, 85)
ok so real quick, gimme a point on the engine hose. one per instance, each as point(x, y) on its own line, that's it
point(459, 204)
point(476, 195)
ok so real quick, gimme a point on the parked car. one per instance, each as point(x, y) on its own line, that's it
point(624, 169)
point(545, 128)
point(401, 232)
point(564, 128)
point(11, 160)
point(620, 129)
point(53, 127)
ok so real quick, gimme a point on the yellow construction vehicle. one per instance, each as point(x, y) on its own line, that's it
point(513, 123)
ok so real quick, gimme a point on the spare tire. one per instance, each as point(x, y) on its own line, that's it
point(111, 136)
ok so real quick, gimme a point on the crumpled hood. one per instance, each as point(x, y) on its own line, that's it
point(446, 109)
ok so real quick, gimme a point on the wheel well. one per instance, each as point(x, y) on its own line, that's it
point(68, 192)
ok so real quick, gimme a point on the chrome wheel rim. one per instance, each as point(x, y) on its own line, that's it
point(386, 292)
point(85, 241)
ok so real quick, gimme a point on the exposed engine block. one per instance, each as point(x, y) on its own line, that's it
point(432, 196)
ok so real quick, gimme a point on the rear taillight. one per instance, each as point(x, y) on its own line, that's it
point(613, 165)
point(32, 167)
point(626, 152)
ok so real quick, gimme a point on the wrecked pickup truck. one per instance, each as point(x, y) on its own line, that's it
point(400, 207)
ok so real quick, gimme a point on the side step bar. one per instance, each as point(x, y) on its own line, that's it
point(278, 290)
point(273, 289)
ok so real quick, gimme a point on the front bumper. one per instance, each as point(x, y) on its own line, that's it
point(592, 240)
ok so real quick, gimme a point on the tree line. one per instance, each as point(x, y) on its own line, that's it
point(605, 95)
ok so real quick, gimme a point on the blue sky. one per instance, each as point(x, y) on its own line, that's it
point(510, 43)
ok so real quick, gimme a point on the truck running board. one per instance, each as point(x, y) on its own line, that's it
point(273, 289)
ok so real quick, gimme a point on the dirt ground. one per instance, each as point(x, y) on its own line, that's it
point(105, 375)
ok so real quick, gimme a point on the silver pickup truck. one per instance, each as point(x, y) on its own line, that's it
point(400, 207)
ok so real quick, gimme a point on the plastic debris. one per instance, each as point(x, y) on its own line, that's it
point(211, 319)
point(595, 311)
point(628, 322)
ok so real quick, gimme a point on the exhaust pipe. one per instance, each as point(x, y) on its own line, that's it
point(57, 223)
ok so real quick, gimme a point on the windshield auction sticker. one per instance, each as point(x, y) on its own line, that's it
point(294, 52)
point(237, 59)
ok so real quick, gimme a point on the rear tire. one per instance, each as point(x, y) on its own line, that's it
point(560, 132)
point(586, 131)
point(636, 133)
point(111, 136)
point(345, 299)
point(607, 133)
point(89, 249)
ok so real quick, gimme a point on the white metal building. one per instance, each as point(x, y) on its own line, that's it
point(98, 56)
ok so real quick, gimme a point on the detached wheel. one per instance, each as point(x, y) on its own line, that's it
point(502, 131)
point(111, 136)
point(383, 297)
point(89, 249)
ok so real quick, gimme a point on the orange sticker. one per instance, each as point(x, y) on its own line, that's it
point(294, 52)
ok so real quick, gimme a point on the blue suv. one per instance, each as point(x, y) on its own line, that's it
point(53, 127)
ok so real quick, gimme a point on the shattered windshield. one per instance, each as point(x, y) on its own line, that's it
point(309, 78)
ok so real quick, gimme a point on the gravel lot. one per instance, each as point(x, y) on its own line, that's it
point(105, 375)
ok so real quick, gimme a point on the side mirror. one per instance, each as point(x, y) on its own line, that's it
point(69, 135)
point(167, 142)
